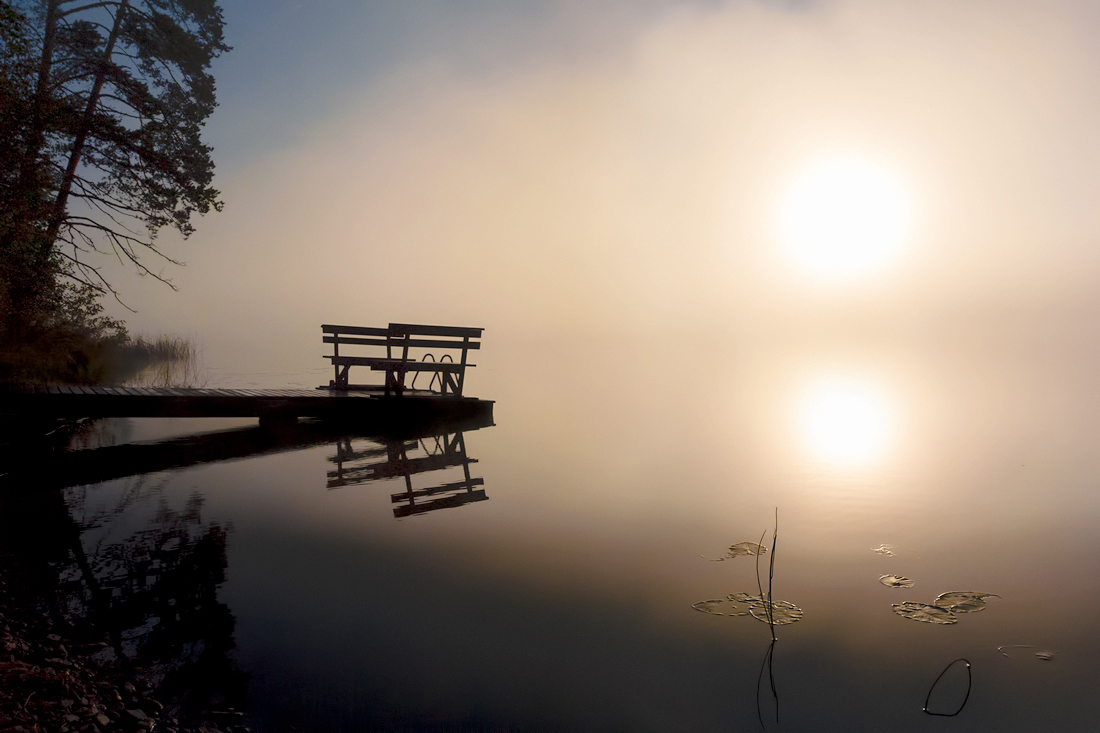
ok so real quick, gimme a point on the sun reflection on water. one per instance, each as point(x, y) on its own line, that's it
point(845, 422)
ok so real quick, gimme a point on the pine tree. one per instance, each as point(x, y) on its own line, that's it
point(102, 106)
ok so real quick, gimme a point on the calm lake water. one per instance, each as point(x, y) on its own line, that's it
point(564, 600)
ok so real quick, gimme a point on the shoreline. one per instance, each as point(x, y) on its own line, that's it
point(51, 683)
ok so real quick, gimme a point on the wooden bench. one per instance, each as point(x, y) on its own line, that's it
point(403, 343)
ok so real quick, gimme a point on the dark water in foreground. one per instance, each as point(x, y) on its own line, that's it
point(561, 597)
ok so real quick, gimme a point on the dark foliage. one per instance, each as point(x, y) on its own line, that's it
point(101, 109)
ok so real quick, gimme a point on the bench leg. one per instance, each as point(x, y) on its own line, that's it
point(395, 382)
point(341, 381)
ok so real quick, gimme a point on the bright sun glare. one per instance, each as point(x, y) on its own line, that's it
point(844, 217)
point(845, 423)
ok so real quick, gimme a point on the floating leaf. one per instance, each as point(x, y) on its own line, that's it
point(1014, 651)
point(924, 613)
point(887, 550)
point(1017, 651)
point(895, 581)
point(963, 601)
point(782, 612)
point(719, 607)
point(749, 549)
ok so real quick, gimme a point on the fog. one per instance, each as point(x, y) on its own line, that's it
point(563, 173)
point(603, 191)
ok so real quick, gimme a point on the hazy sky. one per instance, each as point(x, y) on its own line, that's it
point(540, 167)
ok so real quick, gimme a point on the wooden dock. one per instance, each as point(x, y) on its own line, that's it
point(272, 406)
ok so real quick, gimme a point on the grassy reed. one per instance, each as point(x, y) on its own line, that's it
point(165, 362)
point(73, 356)
point(769, 656)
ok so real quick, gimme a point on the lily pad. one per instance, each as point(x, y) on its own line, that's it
point(895, 581)
point(719, 607)
point(925, 613)
point(747, 549)
point(782, 612)
point(887, 550)
point(963, 601)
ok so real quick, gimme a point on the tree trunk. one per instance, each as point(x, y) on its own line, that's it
point(36, 137)
point(25, 271)
point(85, 128)
point(30, 188)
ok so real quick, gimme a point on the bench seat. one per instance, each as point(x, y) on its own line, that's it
point(383, 364)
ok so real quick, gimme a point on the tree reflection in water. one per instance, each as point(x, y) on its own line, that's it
point(109, 563)
point(149, 598)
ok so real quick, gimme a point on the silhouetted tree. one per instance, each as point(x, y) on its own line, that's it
point(101, 109)
point(25, 287)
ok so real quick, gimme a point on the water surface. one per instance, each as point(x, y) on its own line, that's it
point(563, 599)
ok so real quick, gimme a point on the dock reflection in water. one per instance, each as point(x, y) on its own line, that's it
point(94, 536)
point(72, 468)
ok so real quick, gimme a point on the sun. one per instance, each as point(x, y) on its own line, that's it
point(845, 422)
point(844, 218)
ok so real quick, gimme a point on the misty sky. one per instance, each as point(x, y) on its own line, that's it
point(548, 167)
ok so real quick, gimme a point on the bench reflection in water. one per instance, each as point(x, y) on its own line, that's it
point(443, 455)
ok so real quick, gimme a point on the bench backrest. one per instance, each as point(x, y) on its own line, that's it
point(403, 336)
point(399, 338)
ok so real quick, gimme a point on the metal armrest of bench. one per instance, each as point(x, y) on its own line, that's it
point(451, 374)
